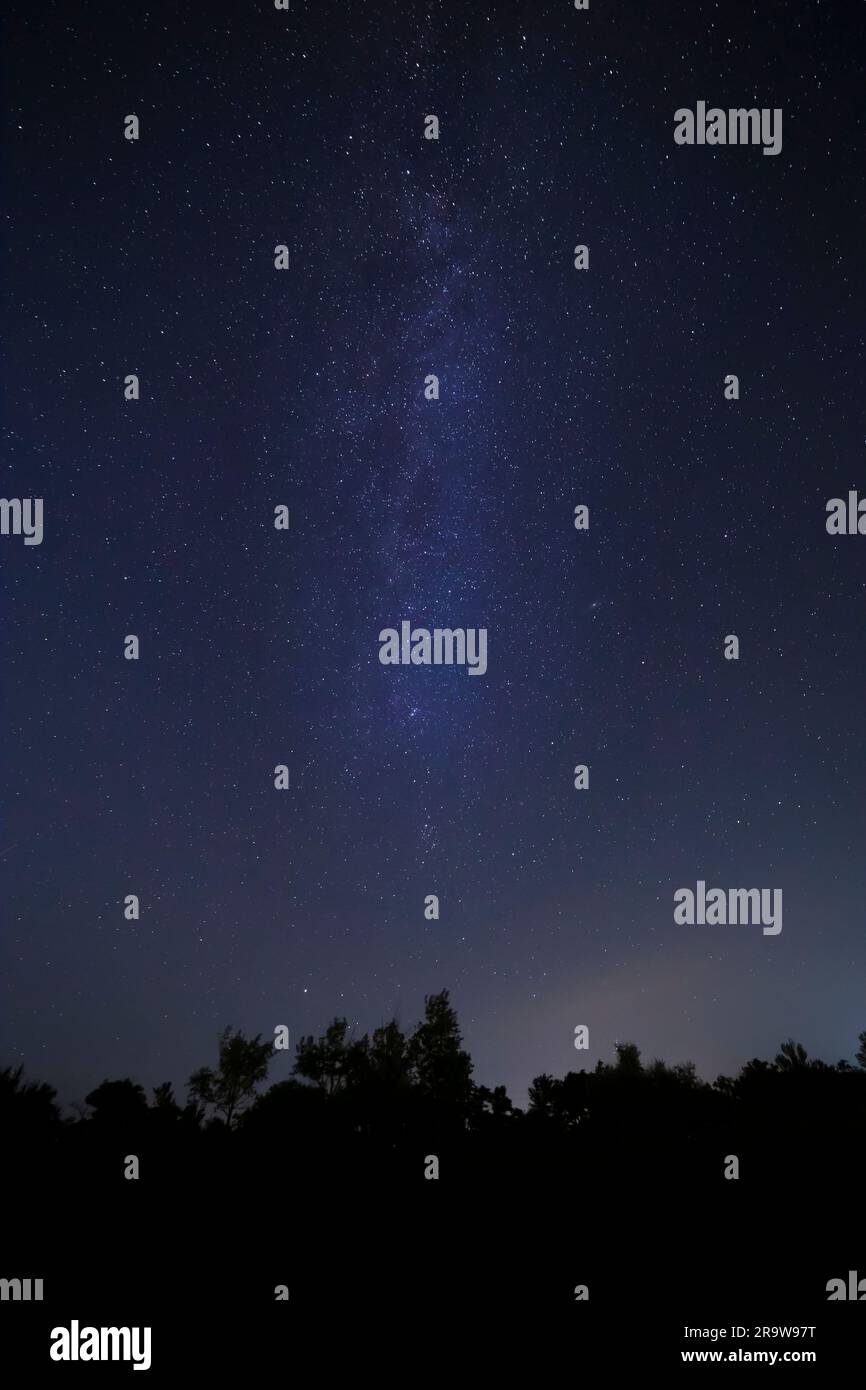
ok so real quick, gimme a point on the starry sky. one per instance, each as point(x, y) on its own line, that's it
point(305, 388)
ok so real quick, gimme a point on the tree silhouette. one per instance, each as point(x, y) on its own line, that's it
point(627, 1059)
point(243, 1065)
point(359, 1110)
point(165, 1113)
point(791, 1056)
point(117, 1102)
point(563, 1103)
point(441, 1070)
point(388, 1058)
point(330, 1061)
point(164, 1101)
point(29, 1104)
point(495, 1104)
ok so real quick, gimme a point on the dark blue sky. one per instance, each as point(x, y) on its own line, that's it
point(305, 387)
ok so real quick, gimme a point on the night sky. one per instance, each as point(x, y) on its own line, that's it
point(305, 387)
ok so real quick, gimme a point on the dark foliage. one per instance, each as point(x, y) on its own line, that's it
point(371, 1109)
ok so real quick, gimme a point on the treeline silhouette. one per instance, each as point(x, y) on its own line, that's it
point(378, 1107)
